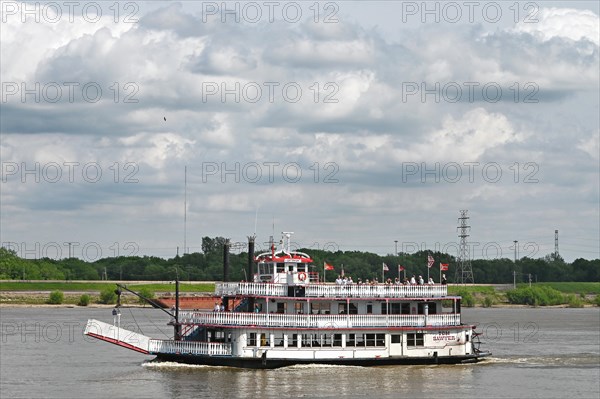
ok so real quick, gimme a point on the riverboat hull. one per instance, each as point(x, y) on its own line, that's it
point(273, 363)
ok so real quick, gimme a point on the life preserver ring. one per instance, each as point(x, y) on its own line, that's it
point(302, 276)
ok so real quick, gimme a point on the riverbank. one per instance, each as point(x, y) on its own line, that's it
point(483, 296)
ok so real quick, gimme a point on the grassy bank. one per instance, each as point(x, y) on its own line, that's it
point(95, 286)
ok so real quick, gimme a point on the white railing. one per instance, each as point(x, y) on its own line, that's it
point(335, 291)
point(266, 289)
point(317, 321)
point(376, 291)
point(189, 347)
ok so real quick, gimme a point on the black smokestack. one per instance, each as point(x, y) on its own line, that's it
point(226, 261)
point(251, 258)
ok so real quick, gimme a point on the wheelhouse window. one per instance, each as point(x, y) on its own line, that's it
point(281, 268)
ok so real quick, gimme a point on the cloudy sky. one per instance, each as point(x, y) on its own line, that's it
point(353, 124)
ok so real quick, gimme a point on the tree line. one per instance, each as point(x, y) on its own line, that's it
point(208, 266)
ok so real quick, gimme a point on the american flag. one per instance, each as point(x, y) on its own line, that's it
point(430, 261)
point(386, 268)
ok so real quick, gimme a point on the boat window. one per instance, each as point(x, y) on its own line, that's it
point(301, 268)
point(281, 307)
point(281, 268)
point(294, 342)
point(278, 338)
point(430, 308)
point(370, 339)
point(342, 309)
point(325, 339)
point(351, 340)
point(299, 307)
point(251, 341)
point(337, 339)
point(395, 308)
point(415, 339)
point(320, 307)
point(307, 340)
point(264, 340)
point(360, 340)
point(290, 268)
point(396, 338)
point(406, 308)
point(384, 307)
point(369, 308)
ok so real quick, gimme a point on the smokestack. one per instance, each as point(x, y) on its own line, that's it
point(226, 261)
point(251, 258)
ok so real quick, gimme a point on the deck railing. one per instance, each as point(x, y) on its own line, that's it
point(336, 291)
point(317, 321)
point(189, 347)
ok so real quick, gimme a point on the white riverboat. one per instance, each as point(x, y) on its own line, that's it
point(286, 316)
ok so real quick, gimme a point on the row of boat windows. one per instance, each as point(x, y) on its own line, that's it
point(351, 308)
point(267, 268)
point(332, 340)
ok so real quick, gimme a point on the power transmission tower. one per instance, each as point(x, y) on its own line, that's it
point(464, 271)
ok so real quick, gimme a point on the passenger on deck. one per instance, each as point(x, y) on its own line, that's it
point(444, 281)
point(421, 281)
point(413, 281)
point(217, 307)
point(431, 282)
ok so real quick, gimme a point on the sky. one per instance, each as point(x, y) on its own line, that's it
point(137, 128)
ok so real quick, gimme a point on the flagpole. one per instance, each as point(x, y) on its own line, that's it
point(440, 280)
point(382, 273)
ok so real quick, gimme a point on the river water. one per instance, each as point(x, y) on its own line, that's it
point(537, 353)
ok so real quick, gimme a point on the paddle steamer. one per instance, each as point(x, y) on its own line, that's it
point(286, 316)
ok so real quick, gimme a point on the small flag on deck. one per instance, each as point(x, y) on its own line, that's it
point(444, 266)
point(400, 268)
point(430, 261)
point(386, 268)
point(327, 266)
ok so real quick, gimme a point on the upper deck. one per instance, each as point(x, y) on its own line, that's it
point(333, 290)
